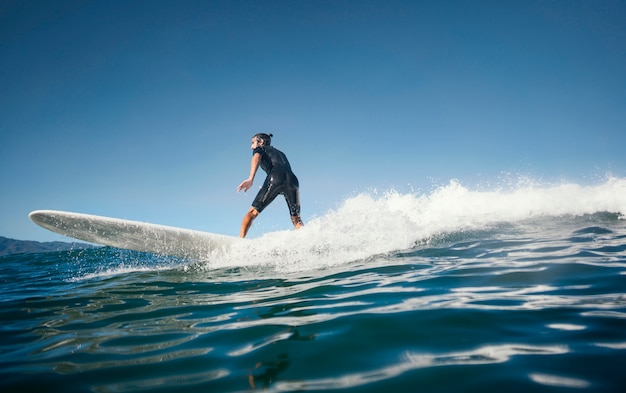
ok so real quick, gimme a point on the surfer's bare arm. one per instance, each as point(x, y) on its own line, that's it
point(254, 165)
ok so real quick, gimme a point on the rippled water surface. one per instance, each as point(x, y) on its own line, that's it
point(526, 306)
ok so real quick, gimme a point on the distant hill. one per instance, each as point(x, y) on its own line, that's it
point(12, 246)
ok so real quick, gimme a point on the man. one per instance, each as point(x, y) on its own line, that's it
point(280, 180)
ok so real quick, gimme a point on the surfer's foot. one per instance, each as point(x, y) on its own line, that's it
point(297, 222)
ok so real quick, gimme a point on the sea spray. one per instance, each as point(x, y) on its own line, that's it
point(371, 224)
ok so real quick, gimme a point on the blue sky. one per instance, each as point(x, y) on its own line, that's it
point(144, 109)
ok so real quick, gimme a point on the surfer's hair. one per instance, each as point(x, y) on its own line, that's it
point(266, 138)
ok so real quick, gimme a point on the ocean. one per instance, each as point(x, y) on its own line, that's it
point(516, 289)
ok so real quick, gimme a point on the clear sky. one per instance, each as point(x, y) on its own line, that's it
point(144, 109)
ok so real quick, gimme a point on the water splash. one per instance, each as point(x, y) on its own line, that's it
point(371, 224)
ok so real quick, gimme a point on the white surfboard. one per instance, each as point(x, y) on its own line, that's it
point(133, 235)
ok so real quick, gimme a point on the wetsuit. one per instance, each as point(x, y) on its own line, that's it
point(280, 180)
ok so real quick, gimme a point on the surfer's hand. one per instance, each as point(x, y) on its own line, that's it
point(245, 185)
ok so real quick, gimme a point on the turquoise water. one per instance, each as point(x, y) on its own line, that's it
point(457, 290)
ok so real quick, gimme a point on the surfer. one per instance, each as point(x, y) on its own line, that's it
point(280, 180)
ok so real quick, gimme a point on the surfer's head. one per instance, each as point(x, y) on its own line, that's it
point(266, 138)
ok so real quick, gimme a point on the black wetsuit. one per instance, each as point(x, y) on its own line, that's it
point(280, 180)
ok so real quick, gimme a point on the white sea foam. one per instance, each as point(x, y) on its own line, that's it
point(376, 223)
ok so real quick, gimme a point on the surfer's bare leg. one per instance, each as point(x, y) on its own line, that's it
point(297, 222)
point(246, 223)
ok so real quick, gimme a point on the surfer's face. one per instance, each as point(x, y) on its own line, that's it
point(256, 143)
